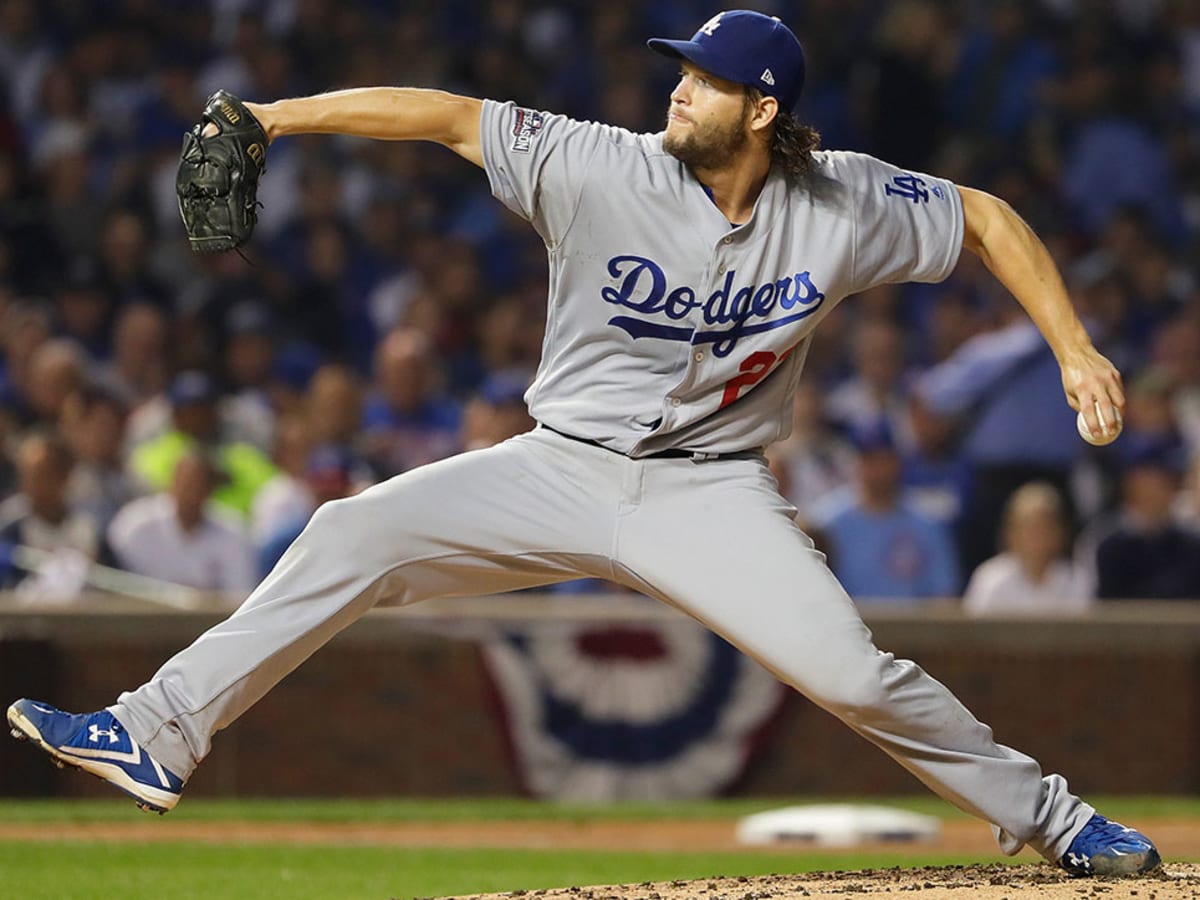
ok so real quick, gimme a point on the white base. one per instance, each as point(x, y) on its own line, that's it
point(836, 825)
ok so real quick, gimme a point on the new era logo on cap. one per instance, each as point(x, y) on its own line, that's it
point(745, 47)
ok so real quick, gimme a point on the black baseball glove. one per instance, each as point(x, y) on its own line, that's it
point(217, 183)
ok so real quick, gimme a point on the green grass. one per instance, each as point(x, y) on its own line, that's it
point(511, 809)
point(177, 869)
point(427, 810)
point(104, 871)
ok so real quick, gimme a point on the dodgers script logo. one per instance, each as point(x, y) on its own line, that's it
point(734, 312)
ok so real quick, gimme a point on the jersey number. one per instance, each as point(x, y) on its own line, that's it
point(754, 368)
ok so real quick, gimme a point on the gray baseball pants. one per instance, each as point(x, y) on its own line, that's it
point(713, 539)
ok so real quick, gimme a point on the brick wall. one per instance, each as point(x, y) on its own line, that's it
point(388, 710)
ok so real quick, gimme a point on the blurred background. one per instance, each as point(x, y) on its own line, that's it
point(179, 418)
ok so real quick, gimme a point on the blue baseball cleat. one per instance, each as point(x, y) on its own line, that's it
point(1109, 848)
point(99, 744)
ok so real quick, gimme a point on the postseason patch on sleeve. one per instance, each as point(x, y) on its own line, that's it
point(528, 123)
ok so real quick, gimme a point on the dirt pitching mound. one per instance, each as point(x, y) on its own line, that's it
point(988, 882)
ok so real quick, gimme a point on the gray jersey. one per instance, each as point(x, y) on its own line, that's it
point(667, 327)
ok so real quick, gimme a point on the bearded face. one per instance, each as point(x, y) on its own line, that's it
point(709, 143)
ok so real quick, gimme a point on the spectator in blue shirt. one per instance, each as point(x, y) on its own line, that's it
point(408, 421)
point(1003, 391)
point(880, 547)
point(1004, 62)
point(1148, 555)
point(1112, 157)
point(328, 475)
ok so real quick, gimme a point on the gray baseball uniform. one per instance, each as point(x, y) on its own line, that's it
point(668, 330)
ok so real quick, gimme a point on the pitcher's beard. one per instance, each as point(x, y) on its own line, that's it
point(713, 147)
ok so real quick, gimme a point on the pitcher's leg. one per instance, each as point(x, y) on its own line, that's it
point(758, 581)
point(482, 522)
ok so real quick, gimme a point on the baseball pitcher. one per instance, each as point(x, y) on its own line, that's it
point(688, 271)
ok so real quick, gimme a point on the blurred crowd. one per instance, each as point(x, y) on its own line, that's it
point(180, 417)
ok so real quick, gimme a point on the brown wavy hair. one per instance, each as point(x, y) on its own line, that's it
point(792, 141)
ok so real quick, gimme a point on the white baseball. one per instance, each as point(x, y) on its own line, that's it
point(1105, 437)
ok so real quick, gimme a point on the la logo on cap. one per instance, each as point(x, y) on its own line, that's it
point(744, 47)
point(712, 24)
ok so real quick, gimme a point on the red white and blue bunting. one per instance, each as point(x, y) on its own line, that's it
point(646, 710)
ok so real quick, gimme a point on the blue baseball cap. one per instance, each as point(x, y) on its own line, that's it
point(503, 388)
point(745, 47)
point(192, 386)
point(870, 436)
point(329, 464)
point(1151, 451)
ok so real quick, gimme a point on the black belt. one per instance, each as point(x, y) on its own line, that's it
point(695, 455)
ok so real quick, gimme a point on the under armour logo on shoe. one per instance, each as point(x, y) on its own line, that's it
point(767, 77)
point(1076, 860)
point(94, 732)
